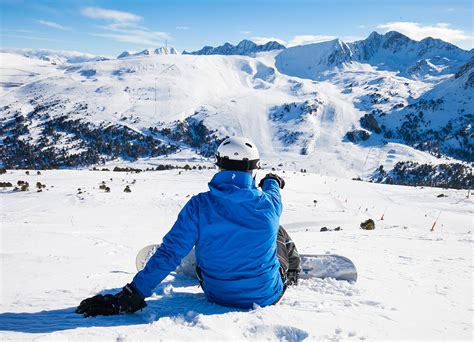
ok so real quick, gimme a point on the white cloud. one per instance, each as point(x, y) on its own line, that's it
point(134, 34)
point(53, 25)
point(309, 39)
point(245, 32)
point(418, 31)
point(264, 40)
point(124, 28)
point(108, 14)
point(182, 28)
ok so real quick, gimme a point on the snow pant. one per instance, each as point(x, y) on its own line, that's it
point(287, 252)
point(288, 256)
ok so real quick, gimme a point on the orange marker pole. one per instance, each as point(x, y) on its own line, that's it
point(434, 223)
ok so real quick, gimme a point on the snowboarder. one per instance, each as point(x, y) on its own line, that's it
point(244, 257)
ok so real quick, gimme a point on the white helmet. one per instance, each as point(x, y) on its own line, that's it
point(239, 154)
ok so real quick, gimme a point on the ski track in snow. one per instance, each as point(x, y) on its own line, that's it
point(59, 247)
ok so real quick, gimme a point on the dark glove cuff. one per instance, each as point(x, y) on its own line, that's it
point(281, 181)
point(130, 290)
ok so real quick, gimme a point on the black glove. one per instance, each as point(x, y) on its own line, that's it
point(292, 277)
point(126, 301)
point(281, 181)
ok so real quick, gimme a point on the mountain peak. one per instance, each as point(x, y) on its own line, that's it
point(163, 50)
point(309, 61)
point(247, 42)
point(395, 35)
point(374, 35)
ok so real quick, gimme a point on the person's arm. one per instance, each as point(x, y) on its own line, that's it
point(271, 185)
point(175, 246)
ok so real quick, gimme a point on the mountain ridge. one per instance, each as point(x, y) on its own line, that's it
point(244, 48)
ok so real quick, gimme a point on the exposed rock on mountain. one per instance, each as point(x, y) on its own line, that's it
point(244, 48)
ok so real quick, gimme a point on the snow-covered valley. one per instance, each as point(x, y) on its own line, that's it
point(73, 239)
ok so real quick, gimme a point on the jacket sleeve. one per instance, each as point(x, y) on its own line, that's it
point(176, 244)
point(271, 188)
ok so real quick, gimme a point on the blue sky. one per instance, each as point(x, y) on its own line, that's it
point(109, 27)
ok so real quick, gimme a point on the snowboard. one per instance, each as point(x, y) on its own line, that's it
point(312, 265)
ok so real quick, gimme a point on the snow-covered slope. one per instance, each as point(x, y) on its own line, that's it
point(310, 61)
point(16, 70)
point(315, 107)
point(147, 95)
point(73, 240)
point(439, 121)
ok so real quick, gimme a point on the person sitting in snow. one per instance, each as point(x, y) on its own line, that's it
point(244, 256)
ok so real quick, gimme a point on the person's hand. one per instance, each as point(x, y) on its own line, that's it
point(292, 277)
point(126, 301)
point(281, 181)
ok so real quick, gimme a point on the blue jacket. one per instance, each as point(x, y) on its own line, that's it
point(234, 228)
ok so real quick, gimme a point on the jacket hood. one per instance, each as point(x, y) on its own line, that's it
point(235, 186)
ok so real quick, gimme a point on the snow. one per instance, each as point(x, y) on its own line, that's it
point(396, 52)
point(309, 61)
point(53, 56)
point(16, 70)
point(59, 247)
point(62, 245)
point(234, 95)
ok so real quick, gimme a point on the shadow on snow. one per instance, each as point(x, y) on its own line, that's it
point(180, 305)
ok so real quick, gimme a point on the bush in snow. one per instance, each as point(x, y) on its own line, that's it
point(368, 225)
point(39, 185)
point(24, 186)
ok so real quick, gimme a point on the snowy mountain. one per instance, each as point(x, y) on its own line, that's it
point(319, 107)
point(244, 48)
point(54, 56)
point(428, 60)
point(439, 121)
point(309, 61)
point(163, 50)
point(416, 59)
